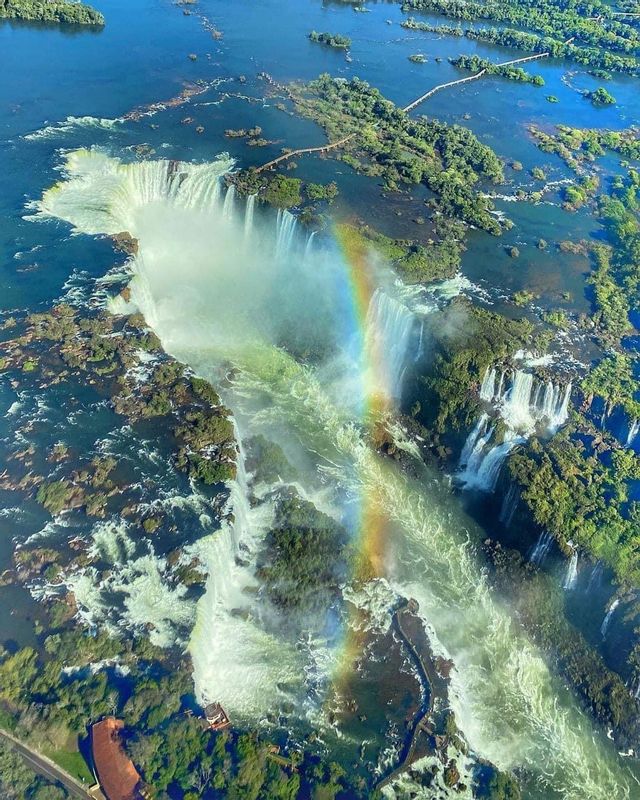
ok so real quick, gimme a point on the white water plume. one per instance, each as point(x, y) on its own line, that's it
point(540, 550)
point(634, 430)
point(607, 617)
point(488, 386)
point(210, 306)
point(235, 659)
point(389, 327)
point(571, 575)
point(111, 542)
point(525, 404)
point(136, 591)
point(509, 505)
point(70, 124)
point(248, 216)
point(475, 441)
point(595, 579)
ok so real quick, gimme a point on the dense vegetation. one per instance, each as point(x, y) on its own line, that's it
point(448, 159)
point(331, 39)
point(562, 19)
point(481, 338)
point(19, 782)
point(601, 97)
point(476, 64)
point(303, 560)
point(613, 381)
point(173, 752)
point(616, 277)
point(589, 34)
point(601, 60)
point(579, 496)
point(415, 263)
point(620, 215)
point(281, 191)
point(578, 145)
point(51, 11)
point(611, 302)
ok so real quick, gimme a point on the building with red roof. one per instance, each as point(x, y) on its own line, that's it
point(118, 778)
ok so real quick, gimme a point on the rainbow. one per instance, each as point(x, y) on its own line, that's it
point(371, 524)
point(376, 403)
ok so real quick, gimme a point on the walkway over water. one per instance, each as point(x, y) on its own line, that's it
point(474, 77)
point(407, 109)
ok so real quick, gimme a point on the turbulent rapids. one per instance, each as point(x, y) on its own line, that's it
point(235, 292)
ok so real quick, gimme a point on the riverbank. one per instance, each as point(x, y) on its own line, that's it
point(52, 11)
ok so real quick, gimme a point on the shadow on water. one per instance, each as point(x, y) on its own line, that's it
point(37, 26)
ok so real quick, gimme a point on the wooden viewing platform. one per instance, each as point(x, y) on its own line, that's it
point(217, 718)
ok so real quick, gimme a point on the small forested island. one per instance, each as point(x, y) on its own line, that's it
point(601, 97)
point(331, 40)
point(62, 11)
point(476, 64)
point(578, 145)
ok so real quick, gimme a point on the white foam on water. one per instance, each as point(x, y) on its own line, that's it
point(137, 592)
point(377, 600)
point(111, 542)
point(69, 125)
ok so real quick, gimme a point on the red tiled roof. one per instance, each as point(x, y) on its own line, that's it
point(119, 779)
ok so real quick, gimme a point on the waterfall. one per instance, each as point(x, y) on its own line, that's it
point(389, 326)
point(560, 411)
point(500, 385)
point(129, 187)
point(489, 469)
point(487, 388)
point(549, 400)
point(308, 248)
point(470, 475)
point(595, 578)
point(634, 429)
point(420, 348)
point(248, 216)
point(540, 550)
point(473, 439)
point(526, 402)
point(509, 505)
point(607, 617)
point(516, 408)
point(571, 574)
point(230, 653)
point(512, 709)
point(286, 225)
point(228, 205)
point(481, 467)
point(522, 406)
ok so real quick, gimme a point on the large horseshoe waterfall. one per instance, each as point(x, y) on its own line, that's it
point(238, 295)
